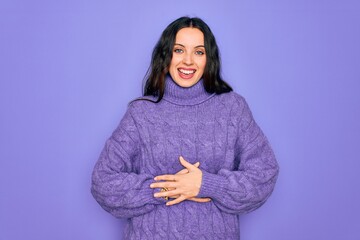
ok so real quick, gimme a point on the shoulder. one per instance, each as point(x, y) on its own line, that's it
point(232, 99)
point(240, 112)
point(139, 106)
point(141, 103)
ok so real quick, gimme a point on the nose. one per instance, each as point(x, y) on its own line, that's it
point(187, 59)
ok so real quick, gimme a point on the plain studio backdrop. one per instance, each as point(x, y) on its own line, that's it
point(69, 68)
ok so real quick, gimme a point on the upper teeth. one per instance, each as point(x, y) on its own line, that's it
point(186, 71)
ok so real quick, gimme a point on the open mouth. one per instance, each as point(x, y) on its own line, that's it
point(186, 73)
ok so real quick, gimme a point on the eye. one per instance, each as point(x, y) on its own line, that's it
point(199, 52)
point(178, 50)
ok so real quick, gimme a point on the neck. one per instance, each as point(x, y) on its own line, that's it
point(193, 95)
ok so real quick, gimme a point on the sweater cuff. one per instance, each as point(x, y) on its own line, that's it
point(211, 185)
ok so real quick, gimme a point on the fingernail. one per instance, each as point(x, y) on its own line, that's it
point(151, 185)
point(155, 178)
point(156, 195)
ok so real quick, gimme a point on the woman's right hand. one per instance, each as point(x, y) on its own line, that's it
point(195, 199)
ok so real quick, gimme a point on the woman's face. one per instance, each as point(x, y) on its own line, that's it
point(189, 57)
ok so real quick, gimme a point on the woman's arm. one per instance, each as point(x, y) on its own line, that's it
point(115, 185)
point(248, 187)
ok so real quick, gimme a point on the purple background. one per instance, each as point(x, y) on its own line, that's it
point(69, 68)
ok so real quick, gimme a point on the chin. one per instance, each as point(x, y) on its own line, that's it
point(186, 83)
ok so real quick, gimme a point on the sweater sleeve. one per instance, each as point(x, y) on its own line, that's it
point(115, 185)
point(249, 185)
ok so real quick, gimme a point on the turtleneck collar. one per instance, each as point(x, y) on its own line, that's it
point(193, 95)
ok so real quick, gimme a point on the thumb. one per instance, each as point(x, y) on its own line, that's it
point(186, 164)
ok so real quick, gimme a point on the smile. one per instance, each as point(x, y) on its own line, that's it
point(187, 71)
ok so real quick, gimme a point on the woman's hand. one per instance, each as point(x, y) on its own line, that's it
point(184, 185)
point(195, 199)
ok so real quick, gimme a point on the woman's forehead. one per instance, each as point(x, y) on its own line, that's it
point(189, 37)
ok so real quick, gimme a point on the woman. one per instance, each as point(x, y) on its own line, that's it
point(188, 157)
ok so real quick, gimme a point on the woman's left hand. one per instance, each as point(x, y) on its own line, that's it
point(185, 186)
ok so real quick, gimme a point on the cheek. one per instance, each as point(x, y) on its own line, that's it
point(203, 65)
point(171, 66)
point(173, 63)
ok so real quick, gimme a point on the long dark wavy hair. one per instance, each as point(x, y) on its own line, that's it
point(162, 55)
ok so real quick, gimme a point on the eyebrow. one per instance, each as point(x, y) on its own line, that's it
point(194, 47)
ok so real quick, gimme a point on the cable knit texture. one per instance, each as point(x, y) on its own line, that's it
point(239, 168)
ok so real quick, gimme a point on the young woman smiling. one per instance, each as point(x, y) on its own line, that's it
point(187, 158)
point(189, 57)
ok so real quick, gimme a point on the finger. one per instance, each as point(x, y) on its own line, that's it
point(175, 196)
point(183, 171)
point(186, 164)
point(176, 201)
point(200, 200)
point(164, 185)
point(167, 193)
point(166, 178)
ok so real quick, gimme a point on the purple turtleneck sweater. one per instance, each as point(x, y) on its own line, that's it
point(239, 168)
